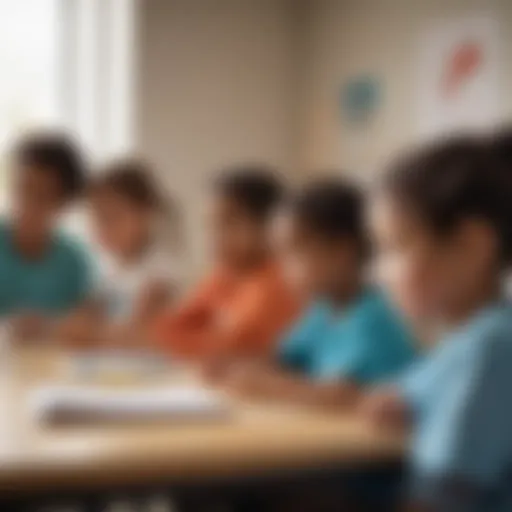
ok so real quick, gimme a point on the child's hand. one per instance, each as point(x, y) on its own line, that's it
point(385, 408)
point(153, 297)
point(246, 378)
point(216, 370)
point(28, 326)
point(81, 327)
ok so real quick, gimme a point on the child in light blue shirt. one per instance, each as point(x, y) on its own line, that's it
point(443, 222)
point(350, 336)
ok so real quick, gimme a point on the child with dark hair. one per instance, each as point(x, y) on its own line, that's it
point(136, 229)
point(350, 336)
point(244, 305)
point(501, 145)
point(43, 274)
point(443, 222)
point(136, 226)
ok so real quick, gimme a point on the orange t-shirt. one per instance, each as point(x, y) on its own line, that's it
point(229, 315)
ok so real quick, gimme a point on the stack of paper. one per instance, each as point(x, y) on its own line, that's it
point(67, 404)
point(117, 364)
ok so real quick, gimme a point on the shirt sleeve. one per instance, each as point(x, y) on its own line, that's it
point(294, 349)
point(180, 329)
point(373, 350)
point(165, 269)
point(467, 438)
point(81, 279)
point(250, 328)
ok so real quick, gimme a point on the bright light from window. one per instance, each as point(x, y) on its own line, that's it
point(28, 65)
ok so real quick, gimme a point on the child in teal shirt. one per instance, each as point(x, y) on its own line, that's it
point(363, 343)
point(349, 337)
point(43, 274)
point(443, 219)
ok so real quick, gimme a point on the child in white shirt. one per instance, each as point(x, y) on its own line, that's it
point(137, 274)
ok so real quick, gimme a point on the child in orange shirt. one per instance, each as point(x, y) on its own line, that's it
point(245, 304)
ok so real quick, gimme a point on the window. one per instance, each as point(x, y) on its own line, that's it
point(67, 63)
point(28, 69)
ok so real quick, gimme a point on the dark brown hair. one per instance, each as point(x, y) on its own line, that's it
point(131, 179)
point(256, 188)
point(453, 180)
point(55, 153)
point(332, 208)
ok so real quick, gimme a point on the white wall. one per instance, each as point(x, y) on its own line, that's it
point(223, 81)
point(349, 37)
point(214, 88)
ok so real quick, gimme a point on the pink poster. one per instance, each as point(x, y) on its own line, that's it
point(458, 76)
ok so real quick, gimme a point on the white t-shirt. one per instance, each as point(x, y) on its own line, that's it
point(121, 285)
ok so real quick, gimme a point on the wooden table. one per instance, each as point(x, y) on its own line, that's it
point(256, 439)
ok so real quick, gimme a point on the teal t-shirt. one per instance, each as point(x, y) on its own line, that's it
point(52, 284)
point(365, 342)
point(461, 453)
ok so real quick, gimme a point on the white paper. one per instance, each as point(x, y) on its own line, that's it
point(448, 104)
point(117, 363)
point(88, 405)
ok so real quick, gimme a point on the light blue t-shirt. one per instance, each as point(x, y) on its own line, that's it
point(461, 456)
point(365, 342)
point(52, 284)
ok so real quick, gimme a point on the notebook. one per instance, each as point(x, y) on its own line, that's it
point(117, 364)
point(53, 404)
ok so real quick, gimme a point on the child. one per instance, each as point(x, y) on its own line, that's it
point(443, 221)
point(138, 276)
point(350, 336)
point(502, 147)
point(244, 305)
point(43, 274)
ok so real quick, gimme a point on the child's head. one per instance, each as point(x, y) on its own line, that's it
point(328, 239)
point(48, 173)
point(443, 222)
point(244, 202)
point(125, 205)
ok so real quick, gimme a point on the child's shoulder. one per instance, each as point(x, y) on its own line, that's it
point(487, 338)
point(381, 323)
point(374, 306)
point(4, 230)
point(494, 330)
point(5, 245)
point(70, 247)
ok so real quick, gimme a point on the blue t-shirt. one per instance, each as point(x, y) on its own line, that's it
point(461, 457)
point(52, 284)
point(364, 342)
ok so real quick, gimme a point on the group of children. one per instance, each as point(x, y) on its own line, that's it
point(294, 314)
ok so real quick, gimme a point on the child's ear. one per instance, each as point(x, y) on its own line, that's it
point(478, 240)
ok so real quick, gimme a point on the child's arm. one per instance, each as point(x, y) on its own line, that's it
point(177, 329)
point(82, 327)
point(463, 456)
point(249, 328)
point(385, 408)
point(28, 327)
point(154, 297)
point(132, 331)
point(77, 328)
point(267, 381)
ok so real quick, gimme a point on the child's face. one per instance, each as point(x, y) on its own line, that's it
point(430, 276)
point(38, 198)
point(238, 239)
point(319, 266)
point(120, 227)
